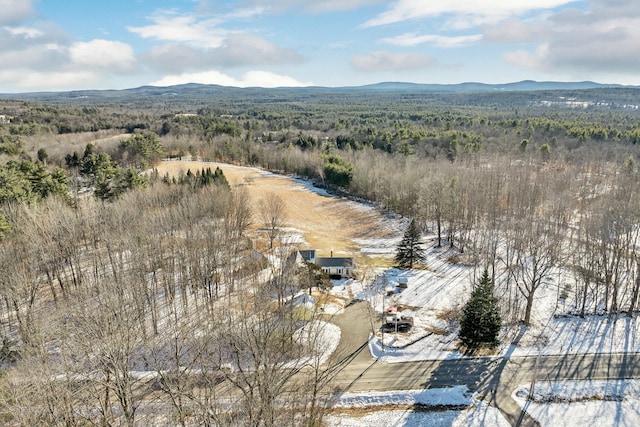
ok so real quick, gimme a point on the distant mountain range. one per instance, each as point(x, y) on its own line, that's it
point(469, 87)
point(194, 90)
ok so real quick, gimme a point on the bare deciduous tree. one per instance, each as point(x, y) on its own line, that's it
point(272, 212)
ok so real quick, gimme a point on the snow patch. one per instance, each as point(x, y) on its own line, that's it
point(601, 403)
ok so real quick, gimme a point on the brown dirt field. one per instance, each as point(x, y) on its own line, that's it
point(327, 223)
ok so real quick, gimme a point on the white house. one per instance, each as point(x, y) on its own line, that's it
point(336, 267)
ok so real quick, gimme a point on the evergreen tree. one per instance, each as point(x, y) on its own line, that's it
point(26, 181)
point(337, 171)
point(219, 178)
point(72, 161)
point(143, 149)
point(480, 322)
point(410, 249)
point(43, 156)
point(109, 183)
point(133, 180)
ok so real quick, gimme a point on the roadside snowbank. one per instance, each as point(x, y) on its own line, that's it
point(476, 414)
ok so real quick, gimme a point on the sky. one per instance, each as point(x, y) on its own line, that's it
point(55, 45)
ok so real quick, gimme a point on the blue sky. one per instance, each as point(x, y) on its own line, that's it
point(115, 44)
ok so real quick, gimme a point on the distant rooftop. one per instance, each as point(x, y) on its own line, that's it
point(334, 262)
point(308, 255)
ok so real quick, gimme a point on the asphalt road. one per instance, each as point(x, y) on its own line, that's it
point(494, 378)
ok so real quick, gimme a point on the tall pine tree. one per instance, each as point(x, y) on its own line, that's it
point(410, 248)
point(480, 323)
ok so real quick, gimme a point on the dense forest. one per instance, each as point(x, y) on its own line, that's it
point(93, 241)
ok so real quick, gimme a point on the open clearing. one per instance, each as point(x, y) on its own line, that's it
point(321, 221)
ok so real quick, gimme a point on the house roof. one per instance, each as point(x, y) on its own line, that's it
point(308, 255)
point(335, 262)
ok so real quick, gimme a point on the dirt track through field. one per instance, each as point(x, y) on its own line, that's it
point(327, 223)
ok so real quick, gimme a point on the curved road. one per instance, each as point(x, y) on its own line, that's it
point(494, 378)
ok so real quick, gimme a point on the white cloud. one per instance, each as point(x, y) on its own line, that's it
point(201, 41)
point(26, 32)
point(391, 61)
point(244, 49)
point(481, 11)
point(414, 39)
point(98, 53)
point(513, 31)
point(173, 57)
point(247, 13)
point(237, 49)
point(29, 80)
point(41, 57)
point(15, 11)
point(202, 29)
point(268, 79)
point(198, 42)
point(183, 28)
point(600, 41)
point(37, 57)
point(536, 60)
point(312, 6)
point(248, 79)
point(19, 37)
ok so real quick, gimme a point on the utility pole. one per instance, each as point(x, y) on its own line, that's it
point(533, 380)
